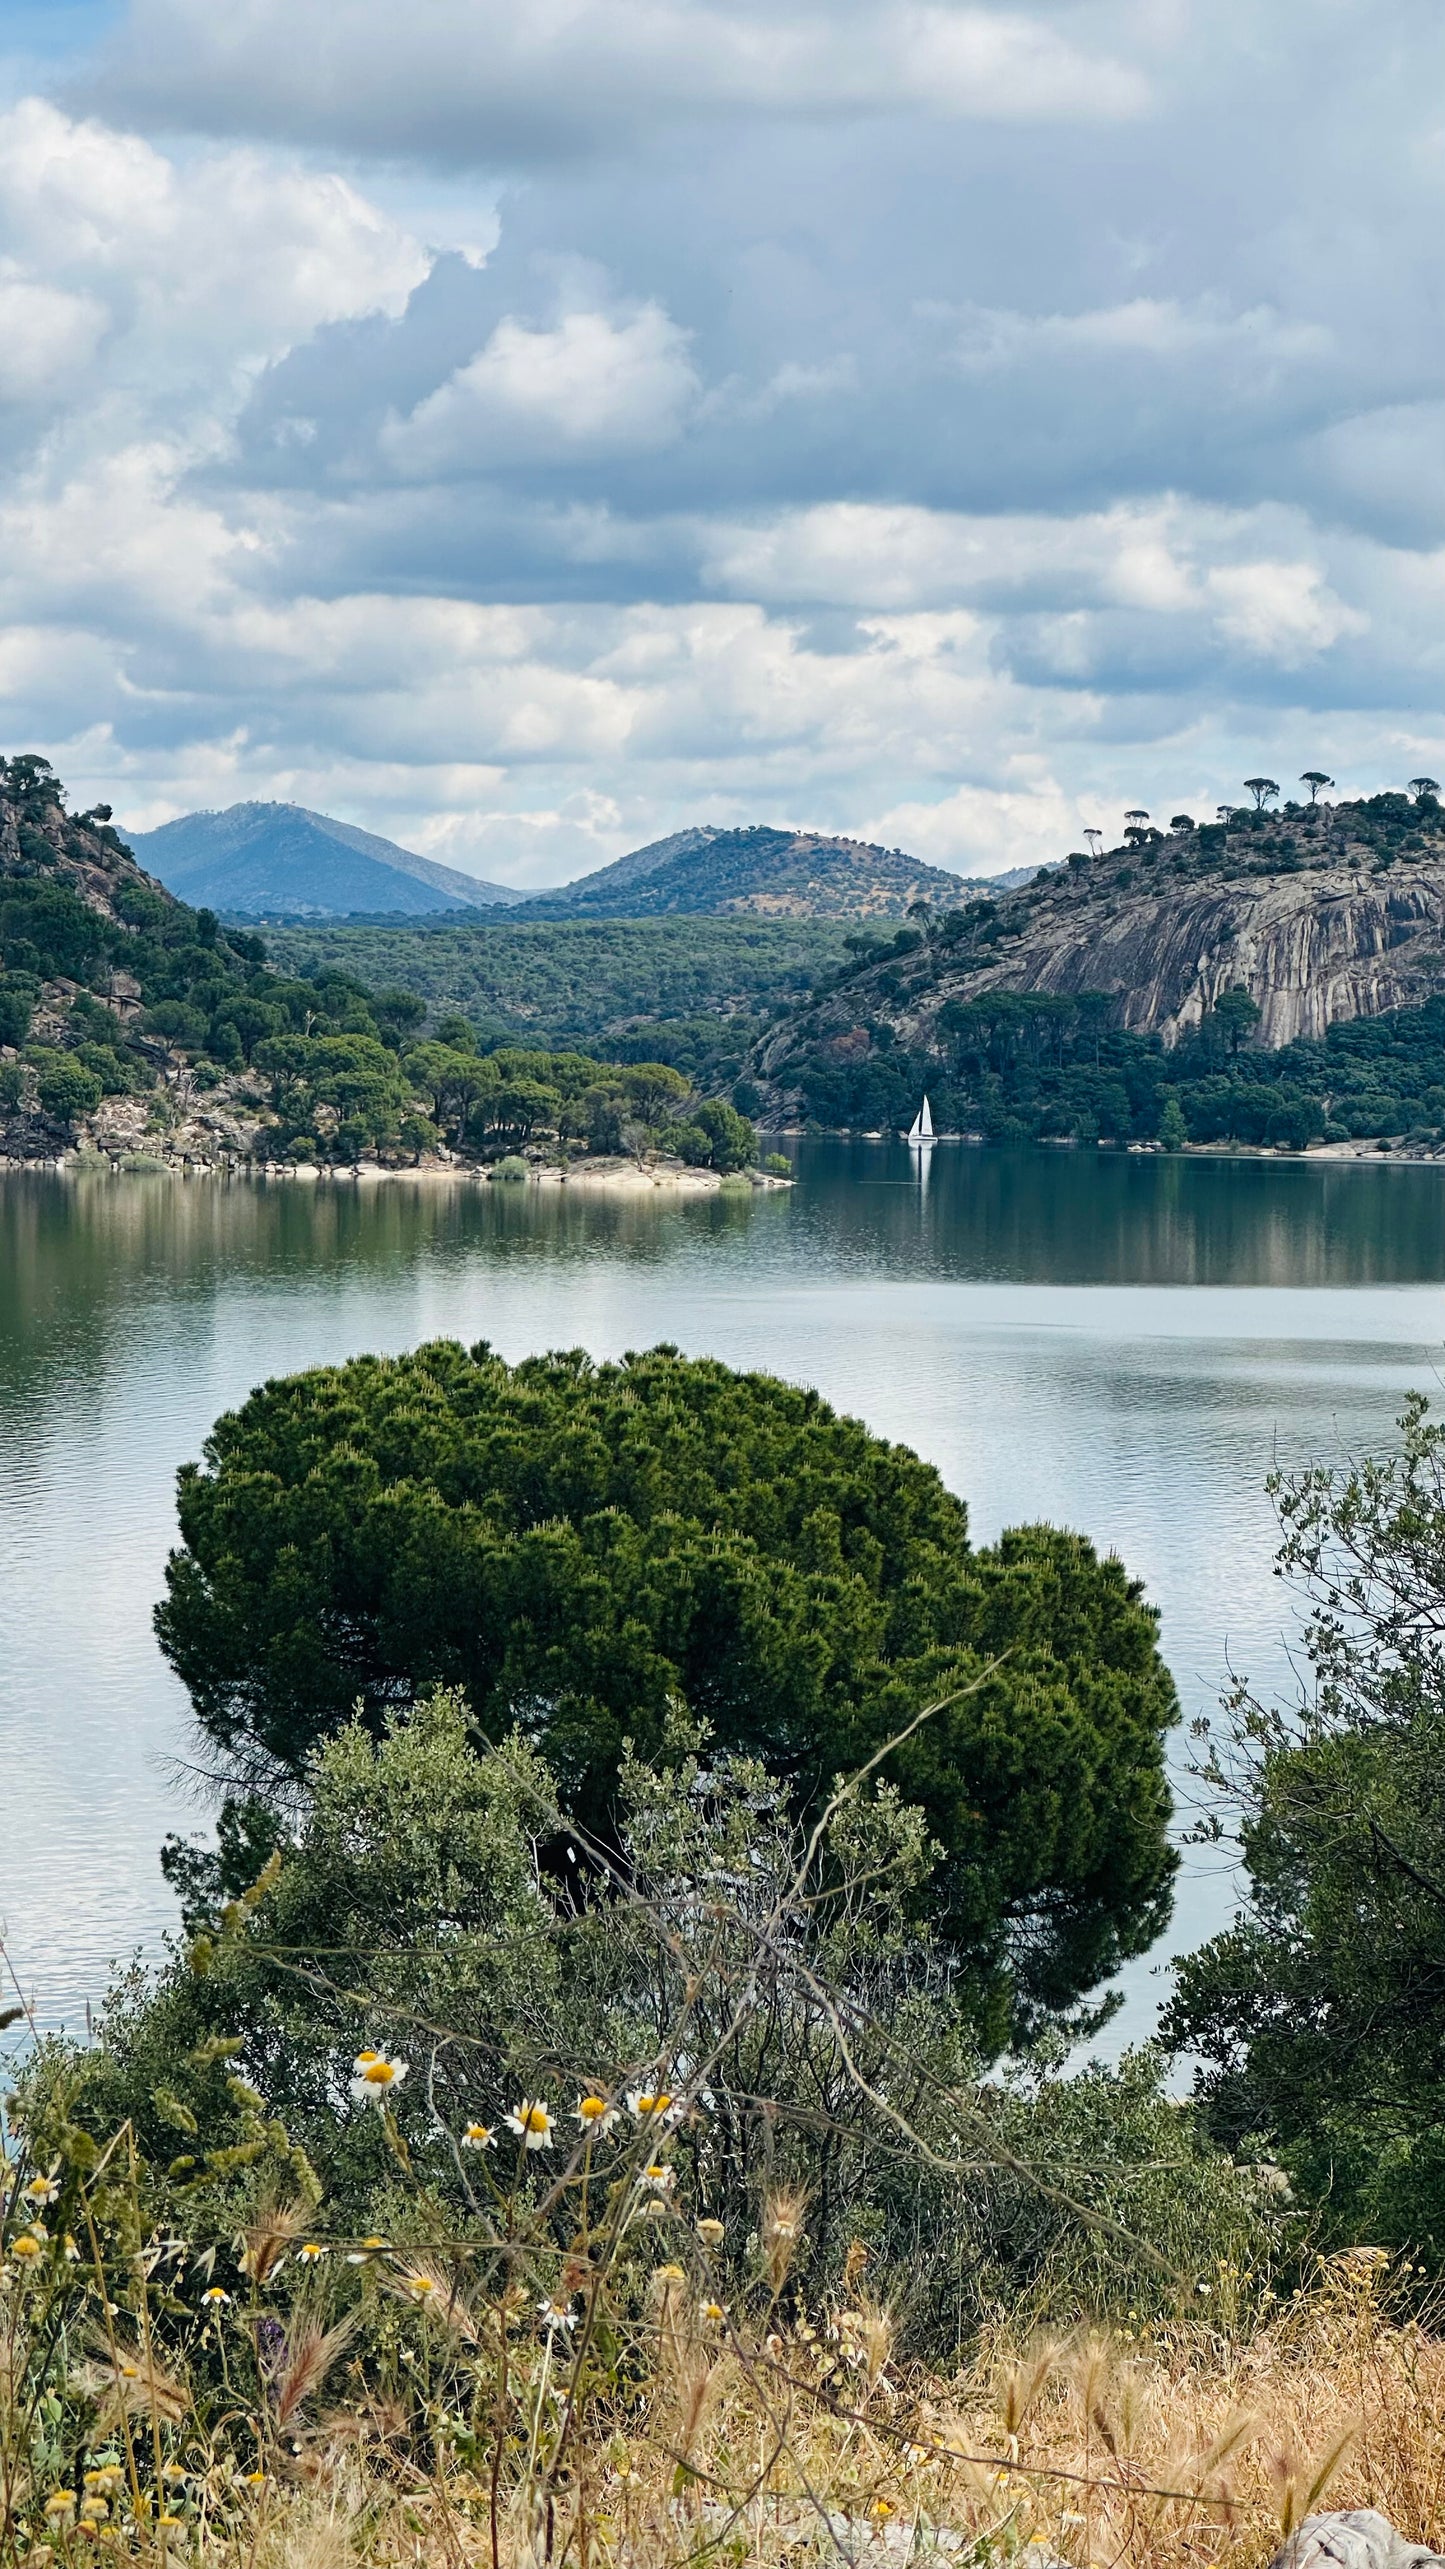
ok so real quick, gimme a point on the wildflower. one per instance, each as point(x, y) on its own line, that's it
point(362, 2256)
point(555, 2314)
point(884, 2507)
point(668, 2275)
point(711, 2313)
point(40, 2191)
point(595, 2114)
point(373, 2077)
point(255, 2479)
point(96, 2509)
point(107, 2476)
point(72, 2253)
point(661, 2108)
point(420, 2285)
point(532, 2124)
point(658, 2178)
point(479, 2136)
point(29, 2245)
point(711, 2233)
point(216, 2295)
point(60, 2502)
point(310, 2253)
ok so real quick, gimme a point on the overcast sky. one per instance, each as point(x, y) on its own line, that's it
point(525, 430)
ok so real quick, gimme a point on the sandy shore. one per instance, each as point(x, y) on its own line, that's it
point(614, 1177)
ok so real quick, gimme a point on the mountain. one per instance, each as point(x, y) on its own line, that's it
point(1321, 917)
point(757, 872)
point(277, 860)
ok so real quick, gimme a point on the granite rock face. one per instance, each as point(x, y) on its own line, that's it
point(1320, 916)
point(1309, 948)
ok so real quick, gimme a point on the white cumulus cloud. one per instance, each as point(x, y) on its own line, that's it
point(592, 382)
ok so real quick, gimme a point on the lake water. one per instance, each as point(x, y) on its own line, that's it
point(1120, 1344)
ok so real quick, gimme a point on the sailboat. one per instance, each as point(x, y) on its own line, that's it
point(921, 1128)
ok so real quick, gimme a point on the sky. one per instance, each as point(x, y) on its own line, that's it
point(528, 431)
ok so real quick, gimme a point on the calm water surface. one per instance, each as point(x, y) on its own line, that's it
point(1122, 1345)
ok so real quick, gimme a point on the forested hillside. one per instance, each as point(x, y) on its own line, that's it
point(768, 873)
point(1156, 993)
point(136, 1027)
point(696, 992)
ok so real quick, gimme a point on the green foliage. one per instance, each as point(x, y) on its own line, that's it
point(1018, 1066)
point(715, 1136)
point(1022, 1067)
point(1320, 2016)
point(584, 1549)
point(410, 1911)
point(1173, 1131)
point(64, 1086)
point(695, 993)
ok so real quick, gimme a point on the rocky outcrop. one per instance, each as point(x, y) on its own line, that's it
point(1319, 916)
point(1357, 2538)
point(1309, 948)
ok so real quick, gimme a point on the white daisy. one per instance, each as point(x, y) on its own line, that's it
point(375, 2078)
point(532, 2124)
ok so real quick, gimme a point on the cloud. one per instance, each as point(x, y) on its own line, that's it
point(531, 430)
point(483, 83)
point(1282, 611)
point(592, 383)
point(48, 337)
point(189, 276)
point(975, 830)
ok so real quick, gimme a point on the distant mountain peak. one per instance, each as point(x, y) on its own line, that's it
point(279, 860)
point(756, 871)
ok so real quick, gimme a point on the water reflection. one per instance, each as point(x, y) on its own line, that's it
point(1119, 1344)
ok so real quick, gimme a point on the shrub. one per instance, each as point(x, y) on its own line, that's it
point(586, 1548)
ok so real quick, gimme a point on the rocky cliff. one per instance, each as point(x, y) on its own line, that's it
point(1320, 916)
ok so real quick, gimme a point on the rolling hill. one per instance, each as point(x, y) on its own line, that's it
point(279, 861)
point(1284, 973)
point(757, 872)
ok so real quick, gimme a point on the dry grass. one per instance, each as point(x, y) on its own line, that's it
point(1161, 2448)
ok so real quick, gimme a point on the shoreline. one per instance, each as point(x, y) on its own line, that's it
point(615, 1177)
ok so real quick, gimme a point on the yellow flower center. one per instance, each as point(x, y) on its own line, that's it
point(534, 2118)
point(592, 2108)
point(379, 2073)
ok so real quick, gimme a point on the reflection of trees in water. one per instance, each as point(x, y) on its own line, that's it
point(82, 1257)
point(1104, 1217)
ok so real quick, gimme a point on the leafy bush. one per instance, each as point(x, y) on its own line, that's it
point(795, 1997)
point(585, 1548)
point(65, 1087)
point(1319, 2015)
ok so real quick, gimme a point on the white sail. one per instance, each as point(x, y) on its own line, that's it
point(921, 1128)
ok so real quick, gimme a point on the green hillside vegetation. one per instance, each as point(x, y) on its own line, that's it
point(1023, 1067)
point(111, 988)
point(768, 872)
point(1020, 1066)
point(696, 993)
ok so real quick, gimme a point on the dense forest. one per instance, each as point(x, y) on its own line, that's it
point(1023, 1067)
point(110, 989)
point(693, 992)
